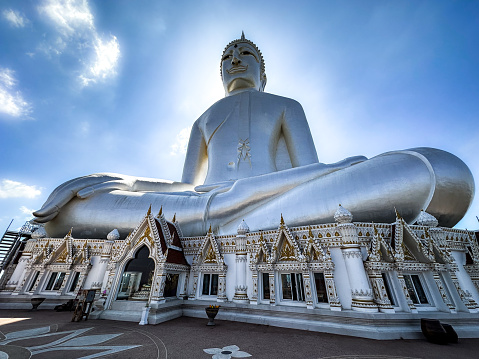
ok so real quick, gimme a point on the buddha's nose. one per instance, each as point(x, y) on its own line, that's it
point(235, 61)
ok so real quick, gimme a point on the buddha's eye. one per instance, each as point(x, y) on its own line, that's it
point(226, 57)
point(246, 53)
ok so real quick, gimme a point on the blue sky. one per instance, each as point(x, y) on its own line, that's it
point(113, 86)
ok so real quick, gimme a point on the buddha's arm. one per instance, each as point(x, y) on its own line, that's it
point(297, 135)
point(196, 158)
point(86, 186)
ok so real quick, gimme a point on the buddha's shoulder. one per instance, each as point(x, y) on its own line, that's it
point(262, 97)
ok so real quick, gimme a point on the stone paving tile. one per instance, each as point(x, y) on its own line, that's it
point(48, 334)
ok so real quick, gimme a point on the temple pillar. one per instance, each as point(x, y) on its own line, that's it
point(333, 299)
point(193, 293)
point(361, 292)
point(254, 298)
point(241, 289)
point(379, 290)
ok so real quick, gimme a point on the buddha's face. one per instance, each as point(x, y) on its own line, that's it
point(241, 68)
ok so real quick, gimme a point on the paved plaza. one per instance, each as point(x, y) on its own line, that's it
point(49, 334)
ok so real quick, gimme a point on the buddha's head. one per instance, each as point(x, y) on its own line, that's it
point(242, 67)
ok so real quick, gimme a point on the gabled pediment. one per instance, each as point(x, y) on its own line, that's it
point(380, 250)
point(208, 252)
point(313, 251)
point(408, 246)
point(285, 247)
point(262, 255)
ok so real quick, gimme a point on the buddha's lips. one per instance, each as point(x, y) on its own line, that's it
point(237, 69)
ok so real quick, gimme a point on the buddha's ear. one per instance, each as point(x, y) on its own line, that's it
point(263, 82)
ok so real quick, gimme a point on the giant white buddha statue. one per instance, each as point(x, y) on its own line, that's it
point(251, 156)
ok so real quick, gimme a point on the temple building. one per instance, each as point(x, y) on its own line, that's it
point(372, 280)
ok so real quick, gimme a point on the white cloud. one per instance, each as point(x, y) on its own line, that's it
point(181, 142)
point(68, 16)
point(13, 189)
point(11, 100)
point(75, 25)
point(104, 63)
point(14, 18)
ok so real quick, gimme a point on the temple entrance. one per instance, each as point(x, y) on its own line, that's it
point(137, 277)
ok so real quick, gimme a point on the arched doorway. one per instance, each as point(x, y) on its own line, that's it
point(137, 277)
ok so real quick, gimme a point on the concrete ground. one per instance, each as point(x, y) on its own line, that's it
point(48, 334)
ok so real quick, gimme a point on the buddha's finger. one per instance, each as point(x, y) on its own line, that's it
point(46, 218)
point(104, 187)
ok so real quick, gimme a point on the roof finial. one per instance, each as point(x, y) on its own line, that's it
point(174, 218)
point(149, 211)
point(210, 231)
point(70, 233)
point(242, 35)
point(160, 212)
point(282, 220)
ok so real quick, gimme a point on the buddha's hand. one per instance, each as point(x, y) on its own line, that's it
point(87, 186)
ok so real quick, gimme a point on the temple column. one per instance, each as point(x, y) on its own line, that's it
point(195, 286)
point(221, 287)
point(254, 298)
point(241, 289)
point(361, 292)
point(184, 290)
point(333, 299)
point(379, 290)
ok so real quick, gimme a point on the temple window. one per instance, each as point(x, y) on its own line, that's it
point(55, 281)
point(265, 286)
point(292, 286)
point(34, 280)
point(137, 278)
point(321, 291)
point(210, 284)
point(171, 285)
point(415, 289)
point(74, 282)
point(387, 286)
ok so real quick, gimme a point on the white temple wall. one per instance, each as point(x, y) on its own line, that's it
point(95, 274)
point(19, 272)
point(230, 261)
point(341, 278)
point(458, 303)
point(434, 293)
point(462, 276)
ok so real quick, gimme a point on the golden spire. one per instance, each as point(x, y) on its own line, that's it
point(398, 216)
point(282, 220)
point(149, 211)
point(160, 212)
point(174, 218)
point(210, 231)
point(70, 233)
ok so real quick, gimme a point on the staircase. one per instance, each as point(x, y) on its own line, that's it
point(11, 241)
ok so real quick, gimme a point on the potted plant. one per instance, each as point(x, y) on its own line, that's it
point(211, 312)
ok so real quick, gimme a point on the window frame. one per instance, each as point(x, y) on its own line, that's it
point(425, 290)
point(202, 287)
point(299, 289)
